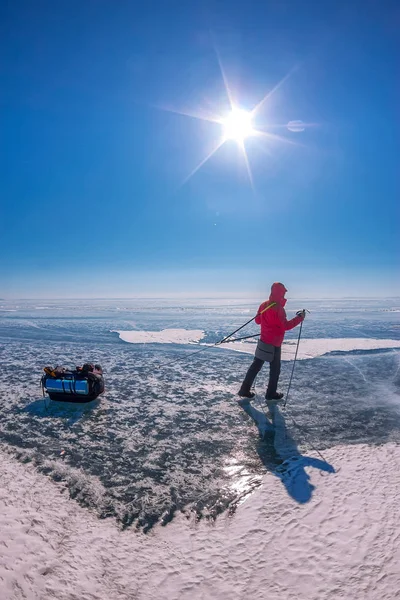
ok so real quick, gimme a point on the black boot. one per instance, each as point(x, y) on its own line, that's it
point(276, 396)
point(245, 393)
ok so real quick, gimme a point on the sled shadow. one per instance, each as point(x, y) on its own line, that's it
point(70, 411)
point(291, 470)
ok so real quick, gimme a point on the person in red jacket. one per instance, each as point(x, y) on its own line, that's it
point(271, 316)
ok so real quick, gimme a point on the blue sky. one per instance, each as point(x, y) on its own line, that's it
point(94, 188)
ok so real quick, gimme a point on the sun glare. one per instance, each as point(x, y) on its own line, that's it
point(238, 126)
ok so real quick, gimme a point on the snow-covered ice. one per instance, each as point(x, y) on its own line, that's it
point(166, 336)
point(343, 544)
point(311, 348)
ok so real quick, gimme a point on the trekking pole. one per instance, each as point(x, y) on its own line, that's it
point(236, 330)
point(223, 340)
point(294, 363)
point(246, 337)
point(189, 357)
point(247, 322)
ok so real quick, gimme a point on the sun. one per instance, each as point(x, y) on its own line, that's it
point(238, 126)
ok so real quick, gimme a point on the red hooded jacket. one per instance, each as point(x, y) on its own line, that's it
point(273, 321)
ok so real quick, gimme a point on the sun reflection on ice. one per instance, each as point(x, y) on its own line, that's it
point(242, 481)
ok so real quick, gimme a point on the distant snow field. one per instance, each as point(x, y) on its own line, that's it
point(344, 543)
point(309, 348)
point(166, 336)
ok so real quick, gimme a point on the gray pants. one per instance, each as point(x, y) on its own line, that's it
point(255, 368)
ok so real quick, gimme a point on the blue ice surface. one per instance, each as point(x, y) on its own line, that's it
point(169, 434)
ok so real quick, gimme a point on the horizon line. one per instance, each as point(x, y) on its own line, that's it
point(183, 297)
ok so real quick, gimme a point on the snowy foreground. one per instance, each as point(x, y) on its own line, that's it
point(248, 515)
point(343, 543)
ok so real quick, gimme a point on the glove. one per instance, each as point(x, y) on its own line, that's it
point(301, 313)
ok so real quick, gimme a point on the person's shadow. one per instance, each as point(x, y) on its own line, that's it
point(291, 470)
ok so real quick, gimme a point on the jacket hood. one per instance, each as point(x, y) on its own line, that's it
point(278, 292)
